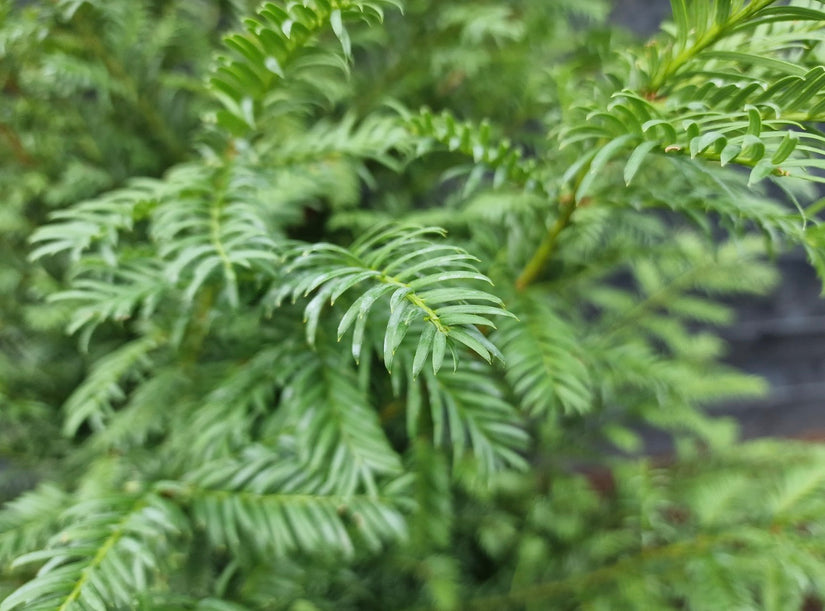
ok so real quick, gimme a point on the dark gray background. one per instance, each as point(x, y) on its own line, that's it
point(641, 16)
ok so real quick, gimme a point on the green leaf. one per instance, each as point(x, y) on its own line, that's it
point(698, 145)
point(597, 165)
point(341, 32)
point(425, 345)
point(785, 148)
point(680, 16)
point(761, 170)
point(361, 307)
point(637, 157)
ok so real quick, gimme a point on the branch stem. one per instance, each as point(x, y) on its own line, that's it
point(710, 37)
point(547, 246)
point(542, 592)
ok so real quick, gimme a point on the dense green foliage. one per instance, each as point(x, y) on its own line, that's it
point(367, 304)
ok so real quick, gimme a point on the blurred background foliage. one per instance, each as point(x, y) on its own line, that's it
point(170, 432)
point(92, 94)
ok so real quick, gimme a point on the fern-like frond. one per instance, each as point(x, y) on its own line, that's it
point(336, 430)
point(145, 412)
point(424, 281)
point(800, 493)
point(268, 502)
point(502, 158)
point(674, 284)
point(101, 293)
point(276, 48)
point(545, 365)
point(375, 138)
point(631, 128)
point(708, 91)
point(700, 29)
point(109, 552)
point(204, 222)
point(212, 228)
point(226, 405)
point(739, 553)
point(96, 225)
point(467, 411)
point(27, 522)
point(94, 400)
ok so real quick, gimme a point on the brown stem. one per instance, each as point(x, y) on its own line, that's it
point(17, 148)
point(675, 551)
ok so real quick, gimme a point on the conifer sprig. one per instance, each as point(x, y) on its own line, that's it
point(294, 389)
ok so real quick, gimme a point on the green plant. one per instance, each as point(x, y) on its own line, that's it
point(92, 94)
point(347, 354)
